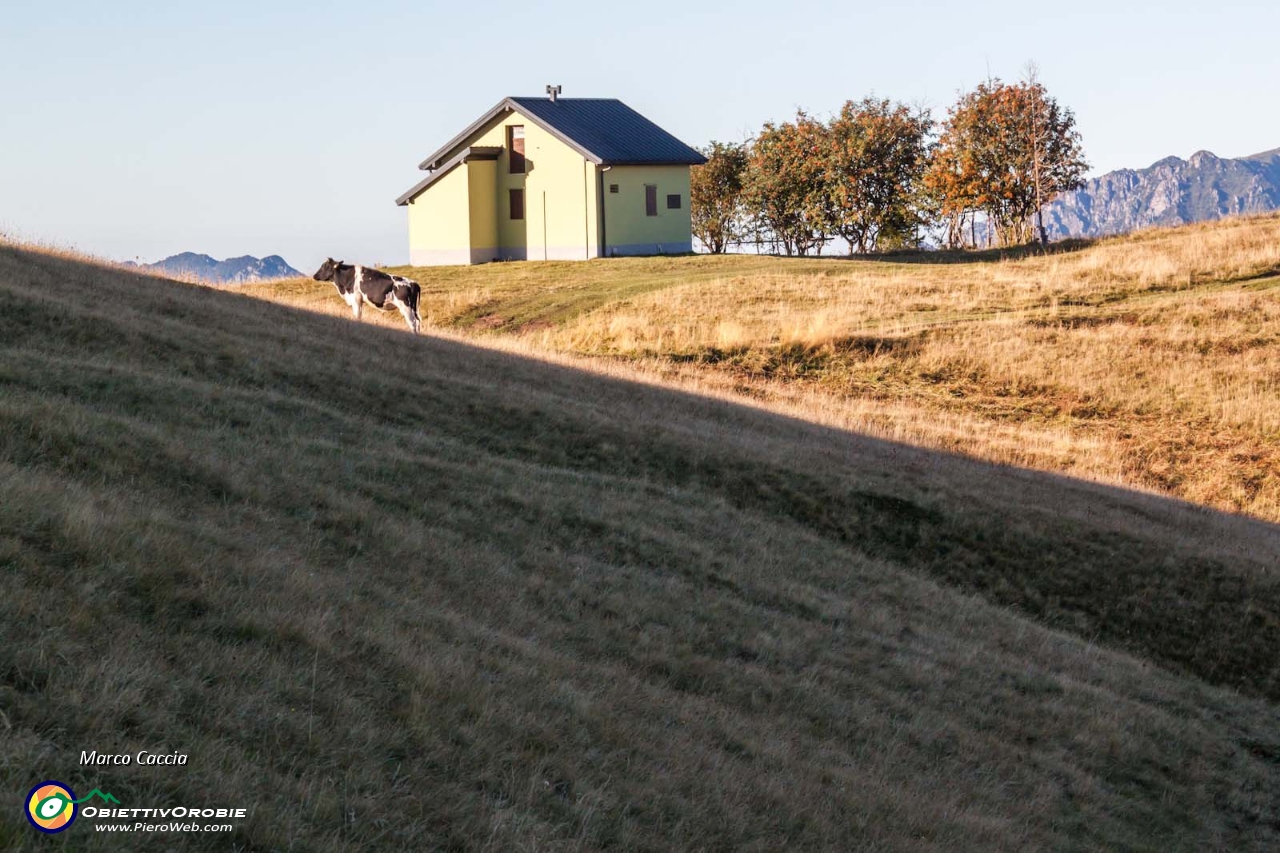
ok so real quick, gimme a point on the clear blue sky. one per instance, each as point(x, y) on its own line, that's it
point(140, 129)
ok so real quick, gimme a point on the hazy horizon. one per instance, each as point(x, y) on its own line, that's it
point(144, 130)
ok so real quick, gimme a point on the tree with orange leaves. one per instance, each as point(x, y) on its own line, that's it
point(1005, 151)
point(785, 192)
point(877, 156)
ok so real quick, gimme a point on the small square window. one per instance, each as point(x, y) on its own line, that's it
point(613, 188)
point(673, 201)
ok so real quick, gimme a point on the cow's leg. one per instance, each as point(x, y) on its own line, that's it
point(357, 304)
point(410, 316)
point(406, 299)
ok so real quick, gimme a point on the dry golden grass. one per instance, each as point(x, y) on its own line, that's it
point(1150, 361)
point(832, 300)
point(411, 594)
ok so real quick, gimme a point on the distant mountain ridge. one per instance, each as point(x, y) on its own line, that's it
point(1171, 191)
point(241, 270)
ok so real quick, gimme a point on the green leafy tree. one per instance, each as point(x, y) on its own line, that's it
point(876, 159)
point(785, 192)
point(1005, 151)
point(715, 196)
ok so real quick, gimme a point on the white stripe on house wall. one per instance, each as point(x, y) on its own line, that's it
point(633, 249)
point(451, 257)
point(439, 257)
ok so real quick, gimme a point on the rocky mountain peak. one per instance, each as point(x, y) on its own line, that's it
point(241, 270)
point(1171, 191)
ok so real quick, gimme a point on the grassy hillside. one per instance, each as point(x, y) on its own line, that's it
point(407, 593)
point(1147, 361)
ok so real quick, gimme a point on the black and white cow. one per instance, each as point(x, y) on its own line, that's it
point(359, 285)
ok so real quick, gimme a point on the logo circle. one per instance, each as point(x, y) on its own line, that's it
point(51, 806)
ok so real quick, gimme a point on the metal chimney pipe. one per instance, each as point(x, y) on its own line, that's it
point(552, 91)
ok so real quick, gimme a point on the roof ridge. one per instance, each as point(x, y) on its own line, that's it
point(558, 99)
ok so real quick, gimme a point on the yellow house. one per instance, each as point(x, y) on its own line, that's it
point(552, 179)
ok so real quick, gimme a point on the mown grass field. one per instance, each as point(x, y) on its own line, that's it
point(1150, 361)
point(411, 593)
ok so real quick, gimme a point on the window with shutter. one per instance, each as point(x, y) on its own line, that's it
point(515, 147)
point(650, 200)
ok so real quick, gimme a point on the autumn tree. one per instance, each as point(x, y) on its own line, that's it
point(1005, 151)
point(951, 183)
point(715, 196)
point(785, 194)
point(876, 158)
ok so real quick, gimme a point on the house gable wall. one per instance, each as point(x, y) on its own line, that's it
point(439, 227)
point(560, 203)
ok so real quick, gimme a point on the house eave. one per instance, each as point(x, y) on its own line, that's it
point(689, 162)
point(505, 105)
point(466, 155)
point(434, 160)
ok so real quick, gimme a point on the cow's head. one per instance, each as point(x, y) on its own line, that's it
point(327, 270)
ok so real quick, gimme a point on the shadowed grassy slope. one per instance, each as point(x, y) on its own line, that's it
point(404, 593)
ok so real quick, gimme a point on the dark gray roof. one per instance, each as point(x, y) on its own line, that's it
point(604, 130)
point(609, 132)
point(475, 152)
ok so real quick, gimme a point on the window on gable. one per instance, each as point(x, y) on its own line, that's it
point(515, 147)
point(673, 201)
point(650, 200)
point(516, 199)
